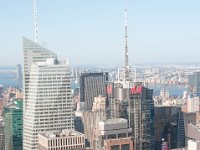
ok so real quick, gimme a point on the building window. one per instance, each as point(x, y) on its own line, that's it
point(125, 147)
point(122, 135)
point(115, 147)
point(112, 136)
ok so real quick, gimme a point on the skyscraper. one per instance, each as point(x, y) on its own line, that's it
point(194, 83)
point(19, 72)
point(169, 126)
point(2, 143)
point(92, 85)
point(133, 101)
point(48, 103)
point(13, 126)
point(33, 52)
point(141, 116)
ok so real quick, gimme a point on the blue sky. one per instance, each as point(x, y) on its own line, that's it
point(92, 31)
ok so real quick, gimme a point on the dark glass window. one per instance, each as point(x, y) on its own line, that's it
point(125, 147)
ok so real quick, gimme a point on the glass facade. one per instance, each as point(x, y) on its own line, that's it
point(142, 116)
point(13, 126)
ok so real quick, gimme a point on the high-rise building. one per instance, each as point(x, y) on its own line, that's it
point(13, 126)
point(169, 126)
point(2, 143)
point(141, 115)
point(47, 94)
point(133, 101)
point(78, 122)
point(181, 131)
point(19, 72)
point(92, 85)
point(192, 103)
point(194, 83)
point(118, 97)
point(33, 52)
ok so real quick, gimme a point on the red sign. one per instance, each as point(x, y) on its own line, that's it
point(109, 89)
point(136, 90)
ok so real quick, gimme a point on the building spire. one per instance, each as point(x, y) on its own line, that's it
point(126, 66)
point(35, 20)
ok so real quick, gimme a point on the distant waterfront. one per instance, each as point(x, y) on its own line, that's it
point(174, 90)
point(8, 79)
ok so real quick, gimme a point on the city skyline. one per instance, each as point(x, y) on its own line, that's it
point(157, 31)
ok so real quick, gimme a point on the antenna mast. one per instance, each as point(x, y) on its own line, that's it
point(126, 67)
point(35, 20)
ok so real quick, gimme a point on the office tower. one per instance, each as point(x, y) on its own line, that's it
point(132, 101)
point(194, 83)
point(181, 131)
point(92, 85)
point(118, 97)
point(1, 108)
point(61, 140)
point(48, 103)
point(19, 72)
point(2, 143)
point(87, 121)
point(33, 52)
point(192, 103)
point(170, 126)
point(141, 116)
point(113, 134)
point(13, 125)
point(78, 122)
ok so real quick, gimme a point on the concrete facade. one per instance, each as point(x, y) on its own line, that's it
point(112, 129)
point(122, 144)
point(64, 140)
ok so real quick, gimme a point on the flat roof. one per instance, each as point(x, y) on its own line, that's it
point(114, 121)
point(63, 133)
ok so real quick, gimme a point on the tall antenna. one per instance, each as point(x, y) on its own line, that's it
point(126, 66)
point(35, 20)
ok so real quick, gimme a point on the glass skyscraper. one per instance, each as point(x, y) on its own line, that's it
point(13, 126)
point(141, 111)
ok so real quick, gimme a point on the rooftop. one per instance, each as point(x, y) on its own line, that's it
point(17, 104)
point(63, 133)
point(114, 121)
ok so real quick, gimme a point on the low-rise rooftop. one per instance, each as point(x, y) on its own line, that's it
point(63, 133)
